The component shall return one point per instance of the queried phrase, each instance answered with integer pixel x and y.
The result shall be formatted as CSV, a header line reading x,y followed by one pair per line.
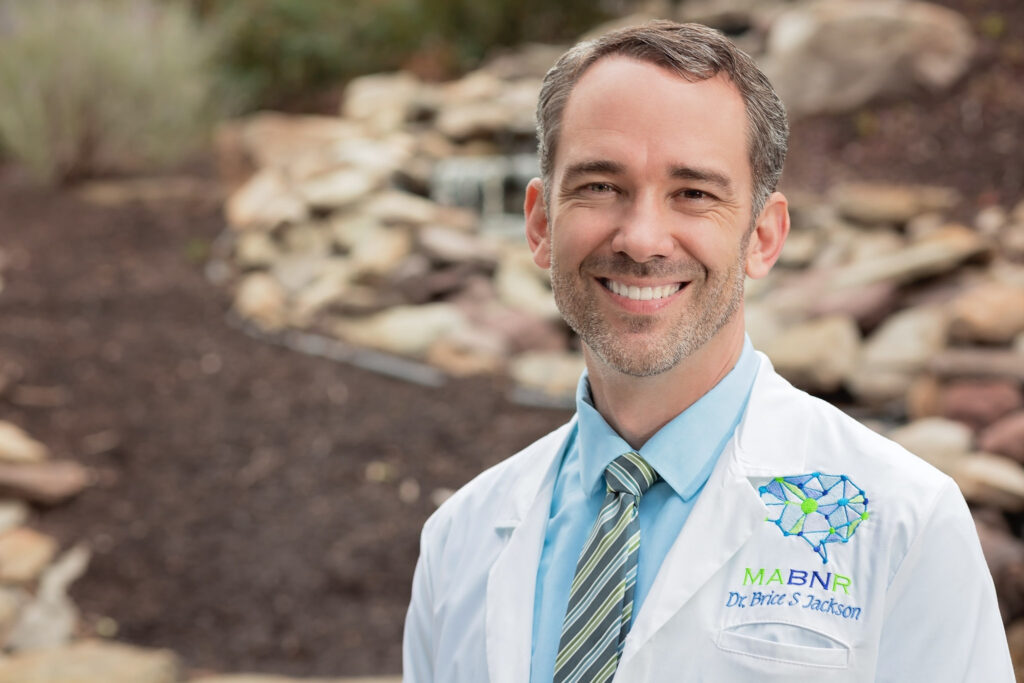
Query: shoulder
x,y
903,493
503,490
805,429
895,528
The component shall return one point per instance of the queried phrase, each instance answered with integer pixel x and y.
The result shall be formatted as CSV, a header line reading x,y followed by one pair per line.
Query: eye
x,y
697,195
599,188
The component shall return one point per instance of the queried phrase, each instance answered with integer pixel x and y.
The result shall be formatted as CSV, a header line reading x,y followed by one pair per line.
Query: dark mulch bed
x,y
234,521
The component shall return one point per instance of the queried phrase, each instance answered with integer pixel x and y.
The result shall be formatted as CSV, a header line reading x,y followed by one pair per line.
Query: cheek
x,y
713,247
573,240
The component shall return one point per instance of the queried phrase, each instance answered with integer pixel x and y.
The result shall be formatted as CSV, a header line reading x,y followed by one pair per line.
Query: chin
x,y
634,360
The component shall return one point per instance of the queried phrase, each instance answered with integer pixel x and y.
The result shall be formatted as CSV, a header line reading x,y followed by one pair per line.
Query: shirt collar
x,y
685,450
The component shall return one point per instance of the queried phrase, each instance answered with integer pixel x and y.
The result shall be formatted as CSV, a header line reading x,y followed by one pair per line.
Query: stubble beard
x,y
716,299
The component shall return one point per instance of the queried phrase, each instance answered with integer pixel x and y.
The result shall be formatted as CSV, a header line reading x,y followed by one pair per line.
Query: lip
x,y
635,306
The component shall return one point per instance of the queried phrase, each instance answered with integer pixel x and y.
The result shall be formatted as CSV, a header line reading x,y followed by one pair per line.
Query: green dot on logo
x,y
809,505
864,515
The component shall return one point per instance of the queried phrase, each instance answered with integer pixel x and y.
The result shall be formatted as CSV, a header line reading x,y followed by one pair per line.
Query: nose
x,y
644,231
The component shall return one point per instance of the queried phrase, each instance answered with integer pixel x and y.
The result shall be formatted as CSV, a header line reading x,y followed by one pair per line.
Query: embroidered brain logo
x,y
819,508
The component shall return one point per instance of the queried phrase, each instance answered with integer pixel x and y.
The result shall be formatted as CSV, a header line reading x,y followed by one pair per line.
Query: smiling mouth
x,y
641,293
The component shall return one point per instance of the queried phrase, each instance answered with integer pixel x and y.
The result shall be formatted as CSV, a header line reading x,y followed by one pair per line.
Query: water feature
x,y
494,186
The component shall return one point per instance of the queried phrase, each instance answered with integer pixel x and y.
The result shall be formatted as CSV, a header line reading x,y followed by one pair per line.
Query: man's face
x,y
650,213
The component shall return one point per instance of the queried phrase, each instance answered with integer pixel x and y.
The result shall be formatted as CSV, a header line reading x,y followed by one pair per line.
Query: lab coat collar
x,y
728,510
722,520
704,427
541,462
511,582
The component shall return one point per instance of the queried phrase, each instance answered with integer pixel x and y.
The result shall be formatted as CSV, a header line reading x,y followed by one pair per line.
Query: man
x,y
699,519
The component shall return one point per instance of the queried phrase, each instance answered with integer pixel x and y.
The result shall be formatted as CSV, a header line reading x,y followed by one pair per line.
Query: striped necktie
x,y
601,598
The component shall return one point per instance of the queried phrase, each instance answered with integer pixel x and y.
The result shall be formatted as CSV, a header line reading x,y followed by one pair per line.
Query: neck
x,y
637,407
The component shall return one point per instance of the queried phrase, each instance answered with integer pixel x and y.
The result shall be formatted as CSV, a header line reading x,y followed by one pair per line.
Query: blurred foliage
x,y
94,86
278,50
866,124
281,49
197,251
993,25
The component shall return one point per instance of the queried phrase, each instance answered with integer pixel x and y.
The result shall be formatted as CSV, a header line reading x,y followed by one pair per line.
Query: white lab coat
x,y
919,605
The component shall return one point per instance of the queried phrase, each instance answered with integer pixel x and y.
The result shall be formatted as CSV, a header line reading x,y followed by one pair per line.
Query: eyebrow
x,y
702,174
584,168
606,167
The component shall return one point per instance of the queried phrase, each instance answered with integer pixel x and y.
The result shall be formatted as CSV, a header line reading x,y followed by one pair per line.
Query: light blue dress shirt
x,y
683,452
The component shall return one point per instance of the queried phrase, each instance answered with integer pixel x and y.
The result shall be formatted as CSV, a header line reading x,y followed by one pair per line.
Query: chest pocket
x,y
784,644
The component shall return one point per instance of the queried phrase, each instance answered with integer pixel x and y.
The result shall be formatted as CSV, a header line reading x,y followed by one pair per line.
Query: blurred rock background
x,y
265,301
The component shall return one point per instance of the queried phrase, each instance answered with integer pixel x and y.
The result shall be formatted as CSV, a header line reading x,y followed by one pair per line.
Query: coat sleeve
x,y
942,621
417,643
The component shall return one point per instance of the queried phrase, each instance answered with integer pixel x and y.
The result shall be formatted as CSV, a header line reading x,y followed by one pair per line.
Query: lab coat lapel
x,y
511,582
728,509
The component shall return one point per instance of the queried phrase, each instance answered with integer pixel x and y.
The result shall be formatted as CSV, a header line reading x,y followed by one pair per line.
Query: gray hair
x,y
696,53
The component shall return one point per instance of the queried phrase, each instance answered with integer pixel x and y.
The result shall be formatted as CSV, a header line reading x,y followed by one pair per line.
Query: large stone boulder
x,y
872,203
897,351
275,140
404,330
944,443
989,313
261,299
529,60
818,355
979,403
386,102
1004,554
265,201
24,554
483,105
17,446
995,480
837,55
553,374
937,253
1005,437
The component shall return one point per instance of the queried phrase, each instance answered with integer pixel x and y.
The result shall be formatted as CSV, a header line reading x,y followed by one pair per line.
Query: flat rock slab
x,y
17,446
48,482
24,554
90,662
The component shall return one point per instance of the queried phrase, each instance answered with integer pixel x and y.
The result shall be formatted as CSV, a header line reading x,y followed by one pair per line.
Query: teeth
x,y
642,293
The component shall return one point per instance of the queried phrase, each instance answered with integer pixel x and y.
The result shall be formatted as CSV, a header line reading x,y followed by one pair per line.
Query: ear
x,y
538,236
768,236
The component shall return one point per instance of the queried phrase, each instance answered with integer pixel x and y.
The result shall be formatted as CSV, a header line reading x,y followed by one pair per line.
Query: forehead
x,y
642,115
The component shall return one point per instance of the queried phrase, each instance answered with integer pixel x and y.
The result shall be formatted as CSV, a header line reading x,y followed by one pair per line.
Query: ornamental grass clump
x,y
97,86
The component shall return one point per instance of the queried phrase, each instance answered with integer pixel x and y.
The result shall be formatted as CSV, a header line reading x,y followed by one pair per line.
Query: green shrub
x,y
280,50
94,86
473,28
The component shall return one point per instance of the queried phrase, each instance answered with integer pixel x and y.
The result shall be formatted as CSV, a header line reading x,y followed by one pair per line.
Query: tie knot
x,y
629,473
